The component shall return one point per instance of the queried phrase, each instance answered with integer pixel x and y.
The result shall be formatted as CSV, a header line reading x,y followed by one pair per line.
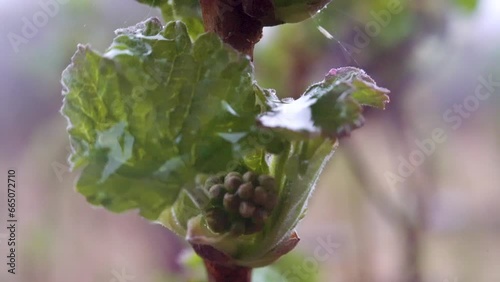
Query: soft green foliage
x,y
292,11
469,5
152,112
186,10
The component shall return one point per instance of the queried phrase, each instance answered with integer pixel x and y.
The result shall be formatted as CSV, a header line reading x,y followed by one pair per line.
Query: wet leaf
x,y
187,11
154,111
331,108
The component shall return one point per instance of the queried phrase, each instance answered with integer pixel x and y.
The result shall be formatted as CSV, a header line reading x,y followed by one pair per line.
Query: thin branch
x,y
362,173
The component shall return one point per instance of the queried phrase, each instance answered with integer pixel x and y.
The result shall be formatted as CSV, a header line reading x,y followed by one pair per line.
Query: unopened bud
x,y
260,196
246,191
216,192
267,182
231,202
246,209
232,182
250,177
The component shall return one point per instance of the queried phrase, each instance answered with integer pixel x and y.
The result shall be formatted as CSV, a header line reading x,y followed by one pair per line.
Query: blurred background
x,y
412,196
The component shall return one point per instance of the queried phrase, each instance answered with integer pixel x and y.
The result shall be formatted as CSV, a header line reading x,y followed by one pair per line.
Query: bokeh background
x,y
386,208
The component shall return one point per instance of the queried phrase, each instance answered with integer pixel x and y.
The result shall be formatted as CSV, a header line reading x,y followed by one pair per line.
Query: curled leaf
x,y
331,108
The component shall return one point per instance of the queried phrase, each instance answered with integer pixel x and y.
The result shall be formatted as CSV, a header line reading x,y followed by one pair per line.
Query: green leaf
x,y
290,11
188,11
298,169
154,111
330,108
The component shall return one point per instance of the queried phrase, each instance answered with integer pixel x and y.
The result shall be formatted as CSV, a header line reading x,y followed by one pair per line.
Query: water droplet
x,y
232,137
325,32
228,108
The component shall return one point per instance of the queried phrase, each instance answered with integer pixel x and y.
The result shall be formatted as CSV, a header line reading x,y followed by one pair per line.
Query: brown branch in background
x,y
381,202
408,226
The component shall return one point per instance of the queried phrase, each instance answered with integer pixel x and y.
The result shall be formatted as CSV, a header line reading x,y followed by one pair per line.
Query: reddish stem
x,y
227,273
228,19
222,268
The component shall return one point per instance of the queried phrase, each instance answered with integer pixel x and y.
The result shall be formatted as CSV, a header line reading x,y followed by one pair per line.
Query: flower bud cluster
x,y
240,204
